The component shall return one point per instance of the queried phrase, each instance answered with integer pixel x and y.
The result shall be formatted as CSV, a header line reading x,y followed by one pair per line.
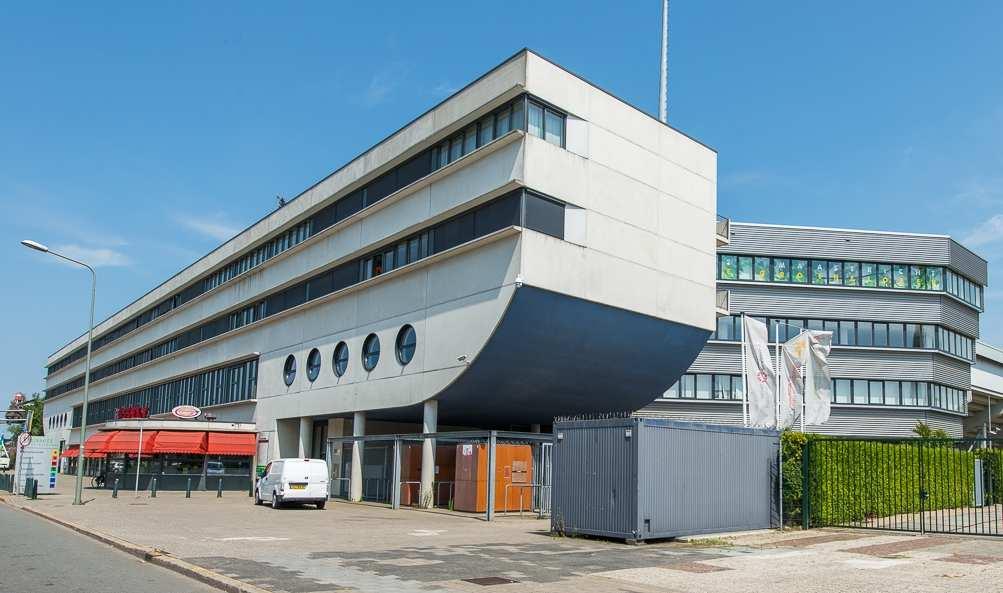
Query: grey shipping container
x,y
645,478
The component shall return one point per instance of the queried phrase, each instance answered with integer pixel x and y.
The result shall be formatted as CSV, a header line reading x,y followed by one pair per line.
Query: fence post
x,y
114,489
188,488
219,488
922,490
805,492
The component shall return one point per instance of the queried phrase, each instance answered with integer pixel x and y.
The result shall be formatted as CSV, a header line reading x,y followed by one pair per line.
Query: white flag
x,y
818,382
760,379
791,387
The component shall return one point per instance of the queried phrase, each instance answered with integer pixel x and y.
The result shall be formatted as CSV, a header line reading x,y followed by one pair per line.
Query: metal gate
x,y
921,485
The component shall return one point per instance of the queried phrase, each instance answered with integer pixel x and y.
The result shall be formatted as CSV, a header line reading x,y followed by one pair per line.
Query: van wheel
x,y
276,501
257,497
321,504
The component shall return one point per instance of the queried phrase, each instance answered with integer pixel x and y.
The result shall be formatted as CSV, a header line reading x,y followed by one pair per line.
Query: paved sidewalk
x,y
350,547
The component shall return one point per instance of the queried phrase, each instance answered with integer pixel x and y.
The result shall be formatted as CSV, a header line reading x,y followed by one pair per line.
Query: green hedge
x,y
851,481
992,466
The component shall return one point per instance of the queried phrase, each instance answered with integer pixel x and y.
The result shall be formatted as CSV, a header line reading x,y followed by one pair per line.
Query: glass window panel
x,y
847,333
745,268
502,121
930,336
672,392
816,324
865,333
554,127
737,387
535,120
842,391
518,115
833,326
781,270
703,386
900,276
922,398
859,391
913,337
762,269
722,386
896,335
455,148
908,393
884,276
688,386
725,328
880,334
892,393
851,274
470,140
877,395
487,130
869,275
836,273
799,271
729,267
819,272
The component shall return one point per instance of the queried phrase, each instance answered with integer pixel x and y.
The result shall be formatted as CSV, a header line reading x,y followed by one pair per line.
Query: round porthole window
x,y
406,343
370,352
340,359
289,370
313,365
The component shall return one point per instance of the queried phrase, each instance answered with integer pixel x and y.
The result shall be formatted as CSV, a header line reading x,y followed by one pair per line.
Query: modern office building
x,y
985,408
904,312
530,247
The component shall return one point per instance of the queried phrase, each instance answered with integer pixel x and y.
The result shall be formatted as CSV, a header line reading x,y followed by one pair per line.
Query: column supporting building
x,y
429,423
358,430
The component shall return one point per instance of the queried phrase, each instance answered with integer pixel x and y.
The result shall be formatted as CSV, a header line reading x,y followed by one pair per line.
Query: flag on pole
x,y
791,387
760,379
818,381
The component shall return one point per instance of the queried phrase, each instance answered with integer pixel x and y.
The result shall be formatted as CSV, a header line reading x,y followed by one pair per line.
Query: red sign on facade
x,y
127,412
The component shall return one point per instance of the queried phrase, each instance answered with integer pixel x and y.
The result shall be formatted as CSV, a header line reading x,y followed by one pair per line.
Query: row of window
x,y
234,383
857,333
405,347
844,391
516,208
543,121
847,273
58,421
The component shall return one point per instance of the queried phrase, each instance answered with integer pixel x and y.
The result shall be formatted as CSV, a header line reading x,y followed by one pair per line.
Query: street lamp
x,y
78,491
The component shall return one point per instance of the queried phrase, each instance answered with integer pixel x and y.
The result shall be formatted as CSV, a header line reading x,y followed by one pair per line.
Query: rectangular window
x,y
868,275
535,120
843,391
833,326
444,153
781,270
703,386
487,130
725,328
901,276
503,121
892,393
881,334
884,276
847,333
917,278
455,148
851,274
908,393
745,268
877,395
722,386
930,337
518,115
896,335
816,324
913,336
762,269
865,333
554,128
922,397
729,267
470,140
543,215
859,391
836,273
689,386
738,388
819,272
799,271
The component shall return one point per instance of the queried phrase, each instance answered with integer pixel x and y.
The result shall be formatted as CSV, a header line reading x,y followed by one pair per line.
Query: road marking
x,y
253,539
427,532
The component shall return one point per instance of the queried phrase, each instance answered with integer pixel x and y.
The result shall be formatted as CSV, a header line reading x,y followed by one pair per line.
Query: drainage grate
x,y
487,581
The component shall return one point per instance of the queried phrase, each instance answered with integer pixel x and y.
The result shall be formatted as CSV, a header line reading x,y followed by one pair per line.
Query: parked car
x,y
214,468
293,480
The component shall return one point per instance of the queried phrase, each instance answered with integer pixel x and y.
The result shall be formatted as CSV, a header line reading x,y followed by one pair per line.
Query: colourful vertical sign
x,y
53,468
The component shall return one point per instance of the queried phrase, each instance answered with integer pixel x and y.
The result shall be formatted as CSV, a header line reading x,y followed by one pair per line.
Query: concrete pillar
x,y
358,430
306,436
429,423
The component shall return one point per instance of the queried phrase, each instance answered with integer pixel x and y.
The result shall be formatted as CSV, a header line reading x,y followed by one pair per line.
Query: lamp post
x,y
78,491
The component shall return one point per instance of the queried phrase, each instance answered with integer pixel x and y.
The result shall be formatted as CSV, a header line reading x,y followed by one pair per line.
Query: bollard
x,y
153,488
34,489
188,489
114,489
219,488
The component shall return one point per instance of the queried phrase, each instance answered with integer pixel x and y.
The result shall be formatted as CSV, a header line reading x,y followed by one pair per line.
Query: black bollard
x,y
153,488
114,489
219,488
188,488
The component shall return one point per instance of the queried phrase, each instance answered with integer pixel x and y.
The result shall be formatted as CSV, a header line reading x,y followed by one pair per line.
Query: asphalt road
x,y
41,557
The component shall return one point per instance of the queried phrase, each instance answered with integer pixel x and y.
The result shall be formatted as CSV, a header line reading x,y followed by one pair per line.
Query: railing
x,y
541,487
723,230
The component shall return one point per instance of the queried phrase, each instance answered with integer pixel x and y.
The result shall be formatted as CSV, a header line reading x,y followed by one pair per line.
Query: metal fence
x,y
477,472
921,485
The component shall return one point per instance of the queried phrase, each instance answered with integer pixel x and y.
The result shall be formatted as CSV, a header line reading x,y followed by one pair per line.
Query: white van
x,y
293,480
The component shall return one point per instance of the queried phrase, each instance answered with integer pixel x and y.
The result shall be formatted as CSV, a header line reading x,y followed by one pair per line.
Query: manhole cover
x,y
486,581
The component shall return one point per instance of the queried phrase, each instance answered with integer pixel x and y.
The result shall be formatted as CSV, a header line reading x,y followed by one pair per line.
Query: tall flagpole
x,y
663,87
745,378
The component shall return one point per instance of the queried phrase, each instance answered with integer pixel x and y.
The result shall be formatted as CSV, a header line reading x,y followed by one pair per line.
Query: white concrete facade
x,y
639,236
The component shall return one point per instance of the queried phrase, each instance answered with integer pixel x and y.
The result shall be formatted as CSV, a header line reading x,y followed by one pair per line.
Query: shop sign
x,y
186,412
128,412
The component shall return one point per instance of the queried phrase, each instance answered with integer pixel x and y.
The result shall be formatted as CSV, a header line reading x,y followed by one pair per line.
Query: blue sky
x,y
140,136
